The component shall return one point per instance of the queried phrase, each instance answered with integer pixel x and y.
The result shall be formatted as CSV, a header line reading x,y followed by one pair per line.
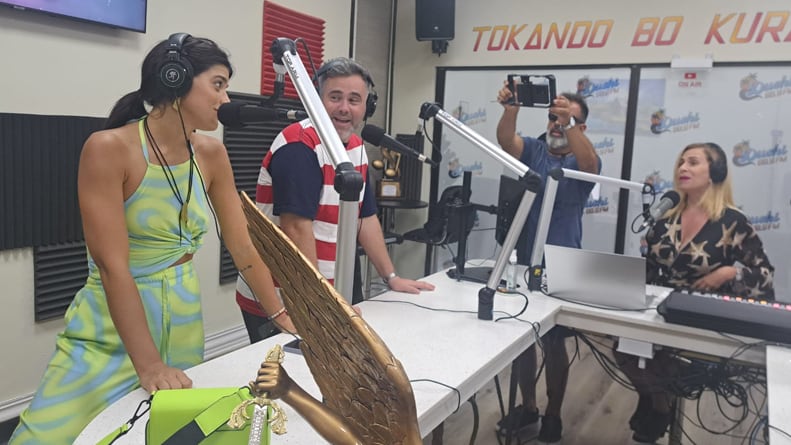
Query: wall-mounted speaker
x,y
435,19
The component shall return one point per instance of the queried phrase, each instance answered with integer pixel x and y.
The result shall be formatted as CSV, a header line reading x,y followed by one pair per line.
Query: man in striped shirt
x,y
295,187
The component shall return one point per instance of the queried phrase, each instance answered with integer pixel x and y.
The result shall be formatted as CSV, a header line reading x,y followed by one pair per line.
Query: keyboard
x,y
767,320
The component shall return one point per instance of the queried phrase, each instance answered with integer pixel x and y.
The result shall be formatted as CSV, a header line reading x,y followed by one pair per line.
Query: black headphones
x,y
370,101
718,168
176,72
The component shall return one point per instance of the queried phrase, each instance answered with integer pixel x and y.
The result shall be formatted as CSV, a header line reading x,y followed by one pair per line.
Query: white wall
x,y
415,65
56,66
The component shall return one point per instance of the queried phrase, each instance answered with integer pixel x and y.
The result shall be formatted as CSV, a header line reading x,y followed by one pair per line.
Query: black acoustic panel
x,y
59,271
39,157
435,19
411,168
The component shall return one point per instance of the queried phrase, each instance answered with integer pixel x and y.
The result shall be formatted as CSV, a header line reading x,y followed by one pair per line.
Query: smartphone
x,y
533,90
293,347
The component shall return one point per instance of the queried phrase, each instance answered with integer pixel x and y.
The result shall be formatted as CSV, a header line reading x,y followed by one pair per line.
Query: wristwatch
x,y
572,123
389,277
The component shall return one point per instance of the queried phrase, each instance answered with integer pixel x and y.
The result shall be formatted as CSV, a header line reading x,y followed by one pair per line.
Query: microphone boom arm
x,y
533,183
348,181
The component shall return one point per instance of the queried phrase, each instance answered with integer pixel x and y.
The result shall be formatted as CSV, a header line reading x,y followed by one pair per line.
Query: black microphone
x,y
669,200
238,114
375,135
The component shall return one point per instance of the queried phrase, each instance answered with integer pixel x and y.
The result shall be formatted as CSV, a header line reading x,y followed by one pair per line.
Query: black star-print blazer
x,y
729,240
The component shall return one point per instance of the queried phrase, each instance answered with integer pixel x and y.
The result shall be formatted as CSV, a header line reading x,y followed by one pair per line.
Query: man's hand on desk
x,y
400,284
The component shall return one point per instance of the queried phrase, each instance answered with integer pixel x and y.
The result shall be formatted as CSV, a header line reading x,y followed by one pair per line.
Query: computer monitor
x,y
508,199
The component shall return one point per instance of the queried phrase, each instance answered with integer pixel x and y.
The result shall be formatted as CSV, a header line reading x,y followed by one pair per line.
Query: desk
x,y
454,348
459,350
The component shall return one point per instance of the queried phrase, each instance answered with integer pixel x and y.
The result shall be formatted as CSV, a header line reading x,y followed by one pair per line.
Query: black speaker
x,y
435,19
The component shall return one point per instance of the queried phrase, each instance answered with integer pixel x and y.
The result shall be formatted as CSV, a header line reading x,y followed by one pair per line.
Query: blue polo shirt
x,y
565,227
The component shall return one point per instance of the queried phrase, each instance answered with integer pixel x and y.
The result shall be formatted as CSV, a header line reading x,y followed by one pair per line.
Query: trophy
x,y
390,184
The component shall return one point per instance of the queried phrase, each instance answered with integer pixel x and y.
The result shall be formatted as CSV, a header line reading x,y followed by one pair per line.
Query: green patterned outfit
x,y
90,368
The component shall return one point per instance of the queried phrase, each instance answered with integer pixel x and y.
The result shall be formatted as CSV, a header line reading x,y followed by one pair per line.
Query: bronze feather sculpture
x,y
365,388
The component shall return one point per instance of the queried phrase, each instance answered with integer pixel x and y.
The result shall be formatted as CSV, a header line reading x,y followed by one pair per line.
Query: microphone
x,y
238,114
669,200
377,136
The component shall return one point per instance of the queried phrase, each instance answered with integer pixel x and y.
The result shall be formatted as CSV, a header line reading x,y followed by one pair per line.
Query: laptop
x,y
597,278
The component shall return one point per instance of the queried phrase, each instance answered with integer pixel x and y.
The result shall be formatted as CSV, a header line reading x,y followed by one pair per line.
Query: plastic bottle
x,y
510,273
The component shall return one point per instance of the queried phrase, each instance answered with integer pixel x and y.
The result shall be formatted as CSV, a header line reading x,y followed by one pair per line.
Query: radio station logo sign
x,y
659,183
751,88
604,147
662,123
768,221
744,155
588,88
467,117
456,169
597,205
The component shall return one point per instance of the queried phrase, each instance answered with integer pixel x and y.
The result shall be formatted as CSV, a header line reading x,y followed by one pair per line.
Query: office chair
x,y
443,226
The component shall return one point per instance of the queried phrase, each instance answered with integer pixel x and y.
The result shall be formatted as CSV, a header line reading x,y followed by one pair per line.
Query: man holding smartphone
x,y
564,145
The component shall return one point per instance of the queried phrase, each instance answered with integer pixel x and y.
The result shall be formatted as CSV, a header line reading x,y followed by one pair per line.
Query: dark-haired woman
x,y
704,244
144,187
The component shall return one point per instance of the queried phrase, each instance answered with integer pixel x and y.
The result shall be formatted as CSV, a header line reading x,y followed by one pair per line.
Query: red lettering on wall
x,y
714,29
499,29
674,22
644,34
579,43
738,26
512,37
480,30
534,41
553,32
598,43
773,29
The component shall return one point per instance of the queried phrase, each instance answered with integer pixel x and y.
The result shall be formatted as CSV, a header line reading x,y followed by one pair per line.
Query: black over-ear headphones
x,y
718,168
176,72
370,101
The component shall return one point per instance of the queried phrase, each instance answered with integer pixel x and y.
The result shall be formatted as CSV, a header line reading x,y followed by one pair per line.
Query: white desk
x,y
456,349
778,384
463,352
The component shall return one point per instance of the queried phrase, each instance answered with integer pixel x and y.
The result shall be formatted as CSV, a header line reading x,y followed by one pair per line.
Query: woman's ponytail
x,y
129,107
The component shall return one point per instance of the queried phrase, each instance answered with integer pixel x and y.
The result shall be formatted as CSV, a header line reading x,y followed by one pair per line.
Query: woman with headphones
x,y
147,186
704,244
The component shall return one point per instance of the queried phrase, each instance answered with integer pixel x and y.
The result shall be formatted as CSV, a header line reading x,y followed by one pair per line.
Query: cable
x,y
455,390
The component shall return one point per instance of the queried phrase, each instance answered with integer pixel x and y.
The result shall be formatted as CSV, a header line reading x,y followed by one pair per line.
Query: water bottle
x,y
510,273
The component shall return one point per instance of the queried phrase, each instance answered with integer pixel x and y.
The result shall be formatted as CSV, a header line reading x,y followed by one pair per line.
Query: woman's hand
x,y
162,376
713,281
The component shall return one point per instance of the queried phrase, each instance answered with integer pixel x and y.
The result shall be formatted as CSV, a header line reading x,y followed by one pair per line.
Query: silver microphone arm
x,y
348,181
531,179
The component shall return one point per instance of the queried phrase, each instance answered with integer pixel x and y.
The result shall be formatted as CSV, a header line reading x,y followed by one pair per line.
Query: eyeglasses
x,y
554,117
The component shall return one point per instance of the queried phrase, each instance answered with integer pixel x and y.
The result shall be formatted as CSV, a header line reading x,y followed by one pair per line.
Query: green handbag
x,y
197,416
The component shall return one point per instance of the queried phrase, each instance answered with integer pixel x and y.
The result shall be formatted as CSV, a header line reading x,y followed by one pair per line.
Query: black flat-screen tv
x,y
126,14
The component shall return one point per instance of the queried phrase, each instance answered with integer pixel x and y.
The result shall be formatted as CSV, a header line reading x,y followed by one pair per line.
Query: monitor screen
x,y
508,200
126,14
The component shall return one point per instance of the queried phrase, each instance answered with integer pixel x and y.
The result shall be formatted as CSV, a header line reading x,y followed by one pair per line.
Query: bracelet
x,y
389,277
279,312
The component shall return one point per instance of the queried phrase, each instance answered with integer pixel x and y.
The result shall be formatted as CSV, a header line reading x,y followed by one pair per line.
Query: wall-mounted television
x,y
126,14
